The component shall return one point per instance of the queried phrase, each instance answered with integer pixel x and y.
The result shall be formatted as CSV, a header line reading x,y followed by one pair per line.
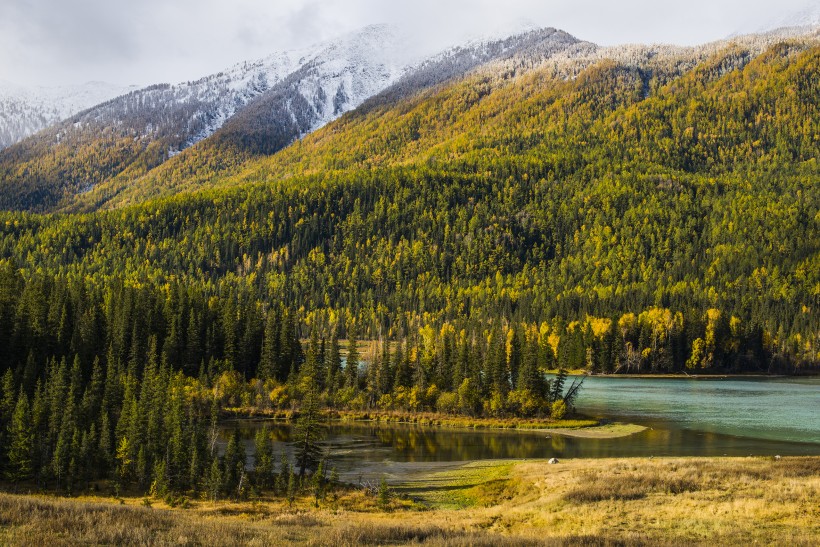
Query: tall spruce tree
x,y
308,433
20,441
352,361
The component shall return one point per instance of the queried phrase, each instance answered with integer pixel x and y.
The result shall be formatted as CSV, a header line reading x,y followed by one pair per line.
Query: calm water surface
x,y
777,409
712,417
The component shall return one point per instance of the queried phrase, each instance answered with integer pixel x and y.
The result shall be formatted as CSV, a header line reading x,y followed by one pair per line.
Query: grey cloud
x,y
148,41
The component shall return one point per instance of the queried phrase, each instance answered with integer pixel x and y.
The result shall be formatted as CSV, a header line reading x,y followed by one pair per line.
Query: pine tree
x,y
372,375
106,446
39,420
193,351
307,432
66,449
229,328
20,442
283,475
233,463
270,356
92,398
401,360
7,397
386,373
291,356
384,494
313,366
214,482
319,484
333,364
462,365
142,467
498,362
195,468
514,356
88,455
263,471
124,461
352,361
160,484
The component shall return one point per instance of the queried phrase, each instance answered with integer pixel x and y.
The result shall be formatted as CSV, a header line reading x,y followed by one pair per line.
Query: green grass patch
x,y
480,483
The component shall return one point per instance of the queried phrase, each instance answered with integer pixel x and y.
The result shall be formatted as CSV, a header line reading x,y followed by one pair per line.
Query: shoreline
x,y
685,376
579,427
612,430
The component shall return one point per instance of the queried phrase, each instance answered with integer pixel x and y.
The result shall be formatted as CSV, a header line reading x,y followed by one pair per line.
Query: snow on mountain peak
x,y
26,110
503,31
333,77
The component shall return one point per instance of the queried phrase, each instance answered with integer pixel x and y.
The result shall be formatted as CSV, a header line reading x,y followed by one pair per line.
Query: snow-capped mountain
x,y
251,108
359,75
368,71
330,78
327,82
27,110
294,92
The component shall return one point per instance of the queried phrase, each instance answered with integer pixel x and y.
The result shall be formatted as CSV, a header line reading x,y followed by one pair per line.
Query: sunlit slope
x,y
708,111
259,130
601,195
723,115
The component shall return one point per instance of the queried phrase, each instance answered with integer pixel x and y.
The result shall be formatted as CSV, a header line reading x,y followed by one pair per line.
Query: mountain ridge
x,y
269,104
26,110
135,132
202,138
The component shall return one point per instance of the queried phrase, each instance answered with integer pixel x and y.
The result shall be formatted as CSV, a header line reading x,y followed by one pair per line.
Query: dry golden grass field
x,y
674,501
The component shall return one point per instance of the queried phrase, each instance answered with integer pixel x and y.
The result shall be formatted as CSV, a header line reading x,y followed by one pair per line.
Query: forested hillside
x,y
542,200
473,235
506,106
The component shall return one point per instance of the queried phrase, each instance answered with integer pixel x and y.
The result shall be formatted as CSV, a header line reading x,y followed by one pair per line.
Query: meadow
x,y
660,501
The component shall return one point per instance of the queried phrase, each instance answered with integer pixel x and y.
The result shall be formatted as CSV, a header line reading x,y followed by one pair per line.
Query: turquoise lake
x,y
777,409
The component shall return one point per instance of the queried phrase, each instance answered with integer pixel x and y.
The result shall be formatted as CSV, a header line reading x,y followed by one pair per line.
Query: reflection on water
x,y
685,418
366,450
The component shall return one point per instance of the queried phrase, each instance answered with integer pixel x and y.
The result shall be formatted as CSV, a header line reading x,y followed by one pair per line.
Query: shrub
x,y
496,405
558,410
385,402
469,399
447,402
384,495
524,402
279,397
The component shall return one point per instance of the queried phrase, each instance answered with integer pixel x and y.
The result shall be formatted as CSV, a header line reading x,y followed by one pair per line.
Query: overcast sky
x,y
52,42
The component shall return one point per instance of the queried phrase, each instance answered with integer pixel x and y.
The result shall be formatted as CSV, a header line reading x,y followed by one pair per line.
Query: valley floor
x,y
670,501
